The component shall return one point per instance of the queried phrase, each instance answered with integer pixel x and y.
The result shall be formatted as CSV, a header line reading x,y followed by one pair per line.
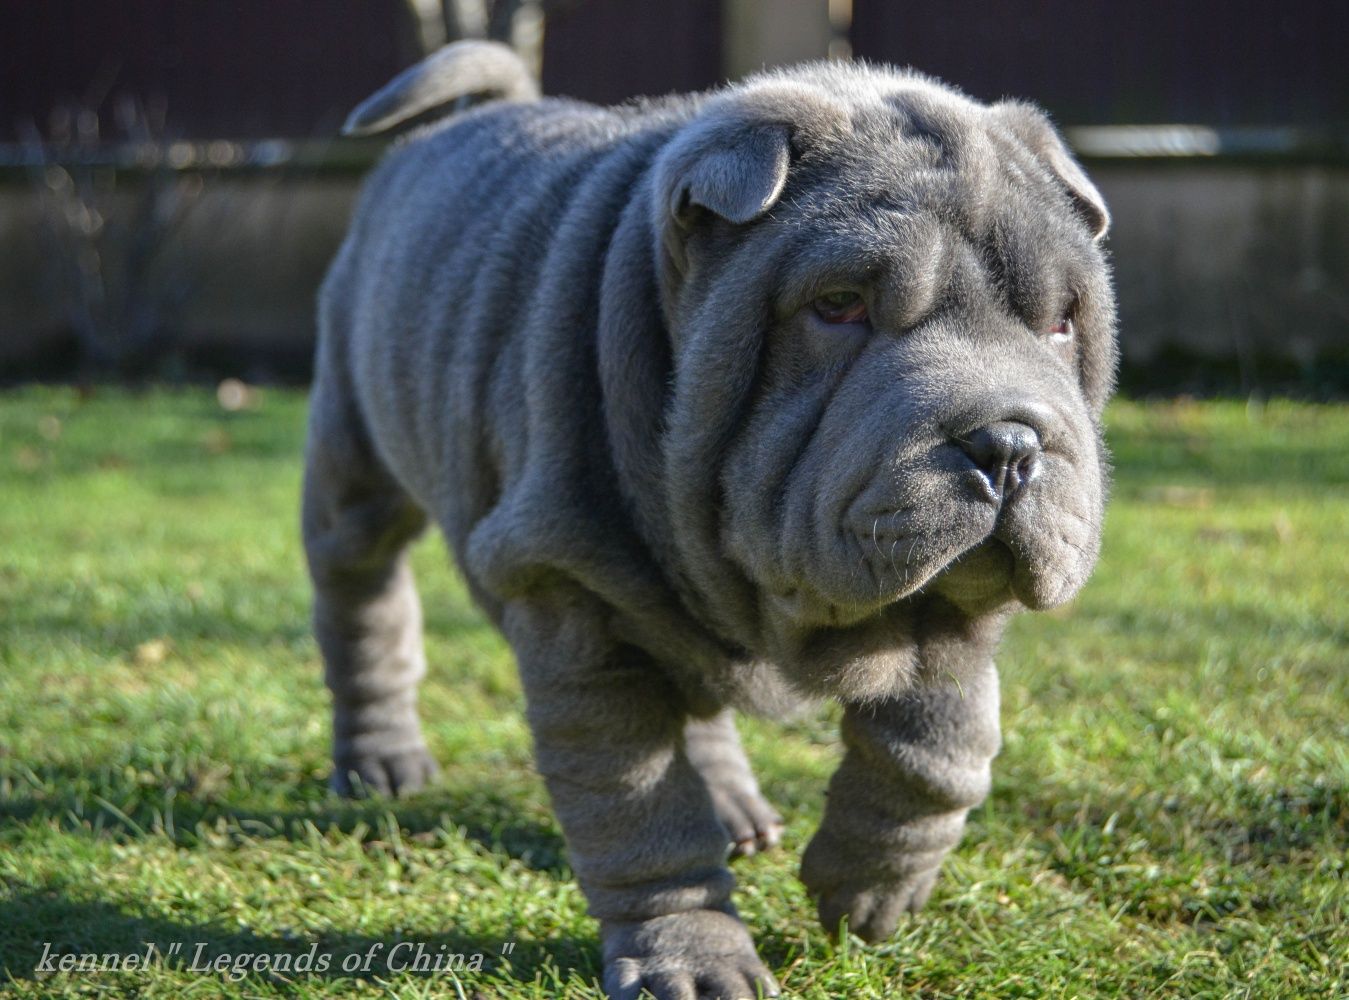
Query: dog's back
x,y
458,234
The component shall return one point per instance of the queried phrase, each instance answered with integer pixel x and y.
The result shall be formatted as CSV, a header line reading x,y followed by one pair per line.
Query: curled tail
x,y
455,71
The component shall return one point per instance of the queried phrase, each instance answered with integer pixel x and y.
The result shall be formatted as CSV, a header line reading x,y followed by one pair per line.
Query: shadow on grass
x,y
52,610
110,804
70,926
1098,840
1239,825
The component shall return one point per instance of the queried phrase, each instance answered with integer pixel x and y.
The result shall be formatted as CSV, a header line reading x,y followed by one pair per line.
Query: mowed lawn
x,y
1169,812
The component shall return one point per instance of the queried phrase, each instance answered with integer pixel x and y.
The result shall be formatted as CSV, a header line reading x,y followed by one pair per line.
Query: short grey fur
x,y
585,343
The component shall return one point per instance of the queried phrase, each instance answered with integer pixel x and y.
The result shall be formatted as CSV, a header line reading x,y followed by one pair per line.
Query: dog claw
x,y
392,774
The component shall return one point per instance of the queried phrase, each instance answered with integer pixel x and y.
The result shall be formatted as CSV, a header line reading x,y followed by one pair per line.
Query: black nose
x,y
1007,453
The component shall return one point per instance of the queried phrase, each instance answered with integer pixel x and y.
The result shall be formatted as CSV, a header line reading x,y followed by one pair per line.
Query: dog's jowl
x,y
782,392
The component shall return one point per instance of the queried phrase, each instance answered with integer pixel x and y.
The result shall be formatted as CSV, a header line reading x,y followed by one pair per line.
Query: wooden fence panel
x,y
1220,62
225,69
609,50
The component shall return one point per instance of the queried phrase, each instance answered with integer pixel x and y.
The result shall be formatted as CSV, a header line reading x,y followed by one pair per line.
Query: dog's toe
x,y
752,823
400,773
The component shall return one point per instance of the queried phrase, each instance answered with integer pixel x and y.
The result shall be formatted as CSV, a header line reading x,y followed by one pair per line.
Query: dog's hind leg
x,y
713,748
357,526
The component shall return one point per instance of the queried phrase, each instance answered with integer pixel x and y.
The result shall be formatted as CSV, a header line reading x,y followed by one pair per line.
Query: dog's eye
x,y
1062,331
841,308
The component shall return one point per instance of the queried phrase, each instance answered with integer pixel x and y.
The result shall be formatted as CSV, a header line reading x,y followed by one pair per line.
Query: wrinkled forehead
x,y
917,186
918,148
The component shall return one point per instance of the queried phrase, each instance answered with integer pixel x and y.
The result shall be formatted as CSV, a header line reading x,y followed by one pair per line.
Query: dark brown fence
x,y
217,69
610,50
1237,62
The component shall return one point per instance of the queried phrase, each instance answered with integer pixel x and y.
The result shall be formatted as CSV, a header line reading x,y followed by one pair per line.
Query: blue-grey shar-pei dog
x,y
786,391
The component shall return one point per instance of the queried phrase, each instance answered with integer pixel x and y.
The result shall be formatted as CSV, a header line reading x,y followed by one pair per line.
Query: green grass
x,y
1169,815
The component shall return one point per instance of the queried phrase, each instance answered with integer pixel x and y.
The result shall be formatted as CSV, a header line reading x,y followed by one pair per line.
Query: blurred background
x,y
171,187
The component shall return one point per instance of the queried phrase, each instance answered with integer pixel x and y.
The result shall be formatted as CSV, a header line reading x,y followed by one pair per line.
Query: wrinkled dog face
x,y
931,328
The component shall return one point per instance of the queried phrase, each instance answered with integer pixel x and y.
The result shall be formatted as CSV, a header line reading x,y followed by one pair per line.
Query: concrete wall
x,y
1242,267
233,284
1239,271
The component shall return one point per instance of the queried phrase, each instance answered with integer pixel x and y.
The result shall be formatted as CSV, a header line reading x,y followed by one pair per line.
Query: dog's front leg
x,y
642,833
913,768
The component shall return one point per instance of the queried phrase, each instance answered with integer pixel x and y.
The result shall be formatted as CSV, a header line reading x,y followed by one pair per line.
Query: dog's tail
x,y
457,70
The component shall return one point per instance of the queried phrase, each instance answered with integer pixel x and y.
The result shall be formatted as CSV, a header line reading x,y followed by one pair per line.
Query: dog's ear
x,y
1029,124
724,166
732,161
735,173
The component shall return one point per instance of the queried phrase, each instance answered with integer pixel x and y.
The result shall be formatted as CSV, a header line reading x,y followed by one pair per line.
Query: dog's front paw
x,y
870,894
702,954
394,772
873,880
873,911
